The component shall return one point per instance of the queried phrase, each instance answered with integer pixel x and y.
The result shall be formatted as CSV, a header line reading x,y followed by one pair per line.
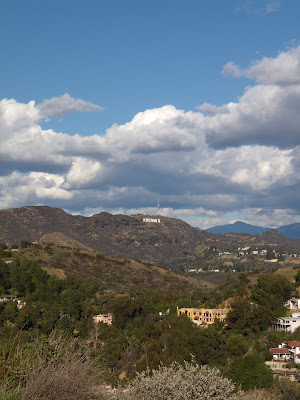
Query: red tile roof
x,y
280,351
293,344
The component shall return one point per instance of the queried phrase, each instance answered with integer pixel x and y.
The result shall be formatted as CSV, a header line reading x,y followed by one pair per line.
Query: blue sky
x,y
163,59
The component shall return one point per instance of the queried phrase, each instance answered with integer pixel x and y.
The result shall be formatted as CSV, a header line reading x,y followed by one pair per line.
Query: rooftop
x,y
279,351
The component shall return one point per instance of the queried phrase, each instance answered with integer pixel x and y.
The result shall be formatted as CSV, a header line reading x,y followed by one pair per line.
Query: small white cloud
x,y
231,69
272,7
57,106
259,8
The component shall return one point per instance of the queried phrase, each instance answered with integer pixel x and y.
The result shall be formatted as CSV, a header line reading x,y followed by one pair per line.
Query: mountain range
x,y
170,243
292,230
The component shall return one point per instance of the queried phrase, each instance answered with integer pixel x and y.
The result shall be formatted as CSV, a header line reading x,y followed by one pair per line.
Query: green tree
x,y
297,278
123,310
236,345
288,390
10,312
239,314
251,372
271,291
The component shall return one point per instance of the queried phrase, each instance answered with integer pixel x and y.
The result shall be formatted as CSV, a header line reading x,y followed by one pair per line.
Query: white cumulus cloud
x,y
281,70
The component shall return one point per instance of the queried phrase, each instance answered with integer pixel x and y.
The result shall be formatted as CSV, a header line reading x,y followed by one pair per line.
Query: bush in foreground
x,y
177,382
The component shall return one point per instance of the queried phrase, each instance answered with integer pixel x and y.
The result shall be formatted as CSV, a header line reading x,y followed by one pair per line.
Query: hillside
x,y
276,239
292,230
170,243
110,273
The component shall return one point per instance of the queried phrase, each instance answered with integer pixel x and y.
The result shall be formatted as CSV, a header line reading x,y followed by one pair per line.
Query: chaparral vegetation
x,y
53,344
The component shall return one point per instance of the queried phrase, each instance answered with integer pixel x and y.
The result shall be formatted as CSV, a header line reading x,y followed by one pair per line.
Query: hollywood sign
x,y
155,220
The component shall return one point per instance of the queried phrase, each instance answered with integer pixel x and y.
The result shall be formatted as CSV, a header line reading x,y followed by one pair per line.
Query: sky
x,y
108,105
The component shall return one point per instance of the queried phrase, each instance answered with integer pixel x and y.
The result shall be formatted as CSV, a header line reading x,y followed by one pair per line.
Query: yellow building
x,y
204,316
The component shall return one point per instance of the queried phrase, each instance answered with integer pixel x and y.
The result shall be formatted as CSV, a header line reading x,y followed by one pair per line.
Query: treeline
x,y
50,302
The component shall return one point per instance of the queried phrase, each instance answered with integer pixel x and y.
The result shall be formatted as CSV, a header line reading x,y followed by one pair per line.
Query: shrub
x,y
288,390
54,368
66,374
177,382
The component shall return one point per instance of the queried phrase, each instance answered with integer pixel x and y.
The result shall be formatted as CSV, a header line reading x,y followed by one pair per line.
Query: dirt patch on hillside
x,y
59,273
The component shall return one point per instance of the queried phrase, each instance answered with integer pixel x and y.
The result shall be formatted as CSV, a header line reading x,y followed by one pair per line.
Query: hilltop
x,y
237,227
170,243
291,230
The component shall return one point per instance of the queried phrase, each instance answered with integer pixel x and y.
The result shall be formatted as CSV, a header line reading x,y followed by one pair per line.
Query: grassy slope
x,y
111,273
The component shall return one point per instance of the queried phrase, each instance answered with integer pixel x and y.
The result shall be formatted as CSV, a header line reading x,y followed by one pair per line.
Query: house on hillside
x,y
292,304
104,318
21,304
287,351
6,297
287,324
9,297
161,314
282,354
203,316
294,348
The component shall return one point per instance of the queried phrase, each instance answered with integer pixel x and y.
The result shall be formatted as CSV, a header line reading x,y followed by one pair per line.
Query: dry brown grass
x,y
56,369
59,273
69,373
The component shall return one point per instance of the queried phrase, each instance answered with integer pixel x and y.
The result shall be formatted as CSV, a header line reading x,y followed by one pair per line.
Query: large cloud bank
x,y
241,158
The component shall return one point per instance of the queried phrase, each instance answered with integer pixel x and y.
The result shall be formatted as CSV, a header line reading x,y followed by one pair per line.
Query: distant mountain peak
x,y
292,230
237,227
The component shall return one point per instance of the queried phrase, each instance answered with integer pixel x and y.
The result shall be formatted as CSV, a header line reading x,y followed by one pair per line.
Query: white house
x,y
294,348
6,297
281,354
287,351
287,324
104,318
292,304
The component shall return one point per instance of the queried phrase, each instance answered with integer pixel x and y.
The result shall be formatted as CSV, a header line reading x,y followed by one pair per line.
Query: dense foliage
x,y
140,339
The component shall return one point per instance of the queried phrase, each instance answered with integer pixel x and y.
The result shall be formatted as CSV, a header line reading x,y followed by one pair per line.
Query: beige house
x,y
204,316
